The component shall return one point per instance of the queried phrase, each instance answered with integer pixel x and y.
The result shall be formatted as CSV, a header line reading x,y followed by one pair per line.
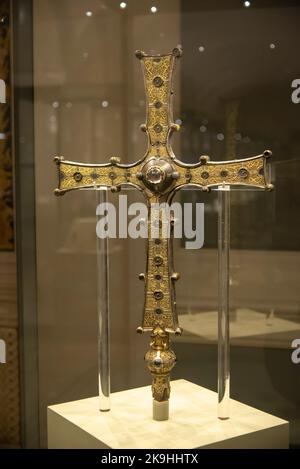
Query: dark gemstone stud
x,y
158,311
224,173
158,260
158,128
158,295
157,277
94,176
157,361
112,175
157,104
77,176
261,171
157,241
243,173
158,82
205,175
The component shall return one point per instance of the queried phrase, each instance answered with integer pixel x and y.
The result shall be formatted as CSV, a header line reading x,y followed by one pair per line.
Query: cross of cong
x,y
158,175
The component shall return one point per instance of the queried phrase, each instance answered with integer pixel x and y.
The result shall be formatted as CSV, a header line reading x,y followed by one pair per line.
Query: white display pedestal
x,y
193,423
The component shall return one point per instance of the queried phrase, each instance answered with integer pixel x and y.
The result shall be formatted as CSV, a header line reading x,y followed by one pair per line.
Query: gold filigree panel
x,y
159,309
158,81
244,172
74,176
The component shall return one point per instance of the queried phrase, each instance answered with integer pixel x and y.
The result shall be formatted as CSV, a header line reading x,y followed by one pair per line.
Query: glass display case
x,y
79,93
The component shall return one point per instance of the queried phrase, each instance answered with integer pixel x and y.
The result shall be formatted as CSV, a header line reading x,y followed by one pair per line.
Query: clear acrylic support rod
x,y
223,303
103,315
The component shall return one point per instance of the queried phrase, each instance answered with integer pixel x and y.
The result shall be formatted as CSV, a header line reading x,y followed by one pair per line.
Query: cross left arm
x,y
73,175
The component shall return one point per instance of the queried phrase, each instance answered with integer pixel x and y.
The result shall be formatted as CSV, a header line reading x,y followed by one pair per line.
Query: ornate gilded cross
x,y
158,175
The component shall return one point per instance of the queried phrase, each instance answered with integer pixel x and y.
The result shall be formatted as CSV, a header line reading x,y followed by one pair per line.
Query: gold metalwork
x,y
160,360
159,175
